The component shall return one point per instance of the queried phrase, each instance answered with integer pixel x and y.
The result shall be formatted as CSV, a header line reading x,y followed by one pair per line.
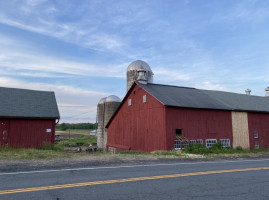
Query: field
x,y
73,133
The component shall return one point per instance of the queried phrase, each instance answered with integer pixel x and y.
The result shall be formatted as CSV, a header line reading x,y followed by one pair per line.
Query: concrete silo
x,y
106,108
134,68
100,121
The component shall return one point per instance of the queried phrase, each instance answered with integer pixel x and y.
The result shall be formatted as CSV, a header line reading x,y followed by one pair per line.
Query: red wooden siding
x,y
29,133
139,127
198,124
258,122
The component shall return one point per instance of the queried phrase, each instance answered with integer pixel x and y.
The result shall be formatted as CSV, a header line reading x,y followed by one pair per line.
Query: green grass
x,y
9,153
84,132
46,151
172,153
218,149
76,142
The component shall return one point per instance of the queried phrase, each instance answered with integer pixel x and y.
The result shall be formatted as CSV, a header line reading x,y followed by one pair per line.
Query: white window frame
x,y
177,144
257,145
256,134
192,141
184,143
199,141
210,142
144,98
225,142
129,102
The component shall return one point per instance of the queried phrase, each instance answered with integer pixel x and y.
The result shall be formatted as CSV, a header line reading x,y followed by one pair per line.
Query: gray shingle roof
x,y
205,99
28,103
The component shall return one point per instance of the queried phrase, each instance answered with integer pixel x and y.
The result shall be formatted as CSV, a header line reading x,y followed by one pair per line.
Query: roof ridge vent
x,y
248,91
141,76
267,92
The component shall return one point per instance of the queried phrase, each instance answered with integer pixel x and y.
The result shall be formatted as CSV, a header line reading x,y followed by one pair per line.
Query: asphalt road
x,y
202,180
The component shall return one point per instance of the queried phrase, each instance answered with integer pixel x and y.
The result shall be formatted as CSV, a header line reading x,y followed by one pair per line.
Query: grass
x,y
83,141
219,149
8,153
46,151
84,132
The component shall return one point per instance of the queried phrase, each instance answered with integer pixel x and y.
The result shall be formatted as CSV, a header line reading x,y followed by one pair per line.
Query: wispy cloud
x,y
210,86
14,56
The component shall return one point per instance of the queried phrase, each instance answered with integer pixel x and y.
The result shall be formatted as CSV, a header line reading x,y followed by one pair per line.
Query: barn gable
x,y
21,103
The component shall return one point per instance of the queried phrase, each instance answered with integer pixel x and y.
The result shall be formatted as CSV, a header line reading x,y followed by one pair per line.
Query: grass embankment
x,y
199,150
46,151
218,149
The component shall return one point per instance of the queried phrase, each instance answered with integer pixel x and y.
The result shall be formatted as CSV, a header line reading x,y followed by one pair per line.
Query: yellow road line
x,y
53,187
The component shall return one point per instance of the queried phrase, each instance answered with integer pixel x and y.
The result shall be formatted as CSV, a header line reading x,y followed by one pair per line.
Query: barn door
x,y
4,132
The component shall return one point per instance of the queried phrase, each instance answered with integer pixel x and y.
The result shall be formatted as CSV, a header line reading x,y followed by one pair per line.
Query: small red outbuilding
x,y
27,117
164,117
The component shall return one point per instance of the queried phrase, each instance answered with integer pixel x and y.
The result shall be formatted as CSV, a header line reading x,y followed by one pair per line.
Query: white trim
x,y
209,146
129,102
224,141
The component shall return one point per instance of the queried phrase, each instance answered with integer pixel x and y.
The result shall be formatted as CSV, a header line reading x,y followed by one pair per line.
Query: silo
x,y
112,103
100,121
105,109
132,72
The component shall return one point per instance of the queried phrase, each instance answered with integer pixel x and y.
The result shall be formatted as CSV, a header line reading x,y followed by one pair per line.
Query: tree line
x,y
65,126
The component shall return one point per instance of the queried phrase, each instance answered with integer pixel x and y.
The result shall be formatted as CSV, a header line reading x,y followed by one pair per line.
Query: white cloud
x,y
210,86
170,75
15,56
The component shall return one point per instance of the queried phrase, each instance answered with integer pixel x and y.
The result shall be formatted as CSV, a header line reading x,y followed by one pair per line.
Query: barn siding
x,y
198,124
240,129
258,122
30,133
139,127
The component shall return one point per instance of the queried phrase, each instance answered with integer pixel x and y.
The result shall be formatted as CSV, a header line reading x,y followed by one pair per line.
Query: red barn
x,y
163,117
27,117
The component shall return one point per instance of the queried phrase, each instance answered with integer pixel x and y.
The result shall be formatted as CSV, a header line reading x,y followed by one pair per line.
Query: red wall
x,y
258,122
198,124
29,133
139,127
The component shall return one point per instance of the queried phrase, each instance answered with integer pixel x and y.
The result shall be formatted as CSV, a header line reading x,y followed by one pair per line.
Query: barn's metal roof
x,y
205,99
23,103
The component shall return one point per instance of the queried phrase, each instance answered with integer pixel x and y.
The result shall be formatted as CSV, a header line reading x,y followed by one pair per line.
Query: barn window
x,y
144,98
199,141
178,132
256,134
184,143
210,142
176,144
256,145
225,142
192,141
129,102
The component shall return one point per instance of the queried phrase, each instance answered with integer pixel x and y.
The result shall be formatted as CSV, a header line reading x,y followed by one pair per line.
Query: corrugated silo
x,y
106,108
111,105
100,121
132,72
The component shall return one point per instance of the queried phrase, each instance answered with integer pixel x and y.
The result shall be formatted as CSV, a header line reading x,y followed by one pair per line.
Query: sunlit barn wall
x,y
140,126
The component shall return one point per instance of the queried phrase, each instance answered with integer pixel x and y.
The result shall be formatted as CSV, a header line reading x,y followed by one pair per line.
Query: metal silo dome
x,y
102,100
139,64
113,98
132,72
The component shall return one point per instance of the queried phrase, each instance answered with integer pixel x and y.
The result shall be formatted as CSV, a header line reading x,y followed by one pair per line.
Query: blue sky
x,y
81,49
